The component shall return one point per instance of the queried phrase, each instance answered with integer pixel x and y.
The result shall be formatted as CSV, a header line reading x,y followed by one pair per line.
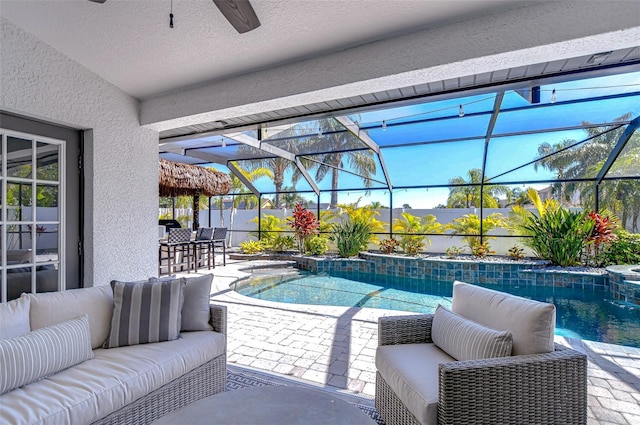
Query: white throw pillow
x,y
464,339
14,318
43,352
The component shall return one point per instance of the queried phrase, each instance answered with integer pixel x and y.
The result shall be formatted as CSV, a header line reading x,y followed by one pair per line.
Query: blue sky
x,y
436,163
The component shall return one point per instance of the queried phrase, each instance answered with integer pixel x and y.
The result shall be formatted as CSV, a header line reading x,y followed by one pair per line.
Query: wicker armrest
x,y
219,318
413,329
532,389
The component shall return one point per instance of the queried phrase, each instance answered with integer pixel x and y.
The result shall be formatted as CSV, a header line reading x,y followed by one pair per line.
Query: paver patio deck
x,y
335,347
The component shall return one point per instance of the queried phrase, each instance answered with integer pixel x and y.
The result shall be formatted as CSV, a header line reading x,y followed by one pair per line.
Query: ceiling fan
x,y
239,13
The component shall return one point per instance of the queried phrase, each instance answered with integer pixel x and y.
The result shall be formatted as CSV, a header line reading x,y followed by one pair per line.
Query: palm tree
x,y
337,143
289,200
585,161
376,205
466,192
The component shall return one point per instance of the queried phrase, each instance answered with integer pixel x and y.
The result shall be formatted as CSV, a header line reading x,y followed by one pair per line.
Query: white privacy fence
x,y
240,225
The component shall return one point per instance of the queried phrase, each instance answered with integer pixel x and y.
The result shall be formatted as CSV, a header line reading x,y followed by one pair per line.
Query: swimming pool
x,y
585,314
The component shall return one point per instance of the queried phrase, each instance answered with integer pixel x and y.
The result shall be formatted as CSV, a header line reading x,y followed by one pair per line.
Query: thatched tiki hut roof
x,y
177,179
183,179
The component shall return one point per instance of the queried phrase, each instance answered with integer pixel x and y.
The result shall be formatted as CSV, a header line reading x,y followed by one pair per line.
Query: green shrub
x,y
351,237
516,253
318,245
559,235
411,231
271,227
453,251
481,250
469,226
280,243
251,247
624,250
388,246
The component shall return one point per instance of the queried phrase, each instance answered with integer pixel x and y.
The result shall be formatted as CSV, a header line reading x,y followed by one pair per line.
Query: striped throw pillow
x,y
145,312
464,339
43,352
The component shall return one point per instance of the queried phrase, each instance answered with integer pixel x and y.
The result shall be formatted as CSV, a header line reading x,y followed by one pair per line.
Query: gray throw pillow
x,y
464,339
145,312
195,310
43,352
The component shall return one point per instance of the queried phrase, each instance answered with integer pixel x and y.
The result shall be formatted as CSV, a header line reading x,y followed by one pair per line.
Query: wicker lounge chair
x,y
544,388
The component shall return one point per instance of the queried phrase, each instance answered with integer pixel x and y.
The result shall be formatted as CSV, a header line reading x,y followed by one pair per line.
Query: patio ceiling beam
x,y
622,142
354,129
274,150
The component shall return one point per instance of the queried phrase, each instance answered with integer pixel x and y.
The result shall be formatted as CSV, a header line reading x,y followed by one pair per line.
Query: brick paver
x,y
335,347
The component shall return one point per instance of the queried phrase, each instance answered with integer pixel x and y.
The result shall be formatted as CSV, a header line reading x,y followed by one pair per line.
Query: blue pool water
x,y
585,314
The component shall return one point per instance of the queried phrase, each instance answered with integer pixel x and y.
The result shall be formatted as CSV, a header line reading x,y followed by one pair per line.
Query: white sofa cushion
x,y
411,370
531,323
465,339
114,378
43,352
54,307
14,318
145,312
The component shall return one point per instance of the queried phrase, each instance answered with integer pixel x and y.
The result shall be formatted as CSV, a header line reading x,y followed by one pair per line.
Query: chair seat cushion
x,y
411,370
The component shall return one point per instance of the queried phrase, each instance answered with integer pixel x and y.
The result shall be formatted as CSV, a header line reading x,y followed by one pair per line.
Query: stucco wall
x,y
121,161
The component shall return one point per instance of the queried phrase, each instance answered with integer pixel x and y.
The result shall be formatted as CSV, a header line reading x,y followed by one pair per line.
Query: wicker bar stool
x,y
179,241
202,246
219,241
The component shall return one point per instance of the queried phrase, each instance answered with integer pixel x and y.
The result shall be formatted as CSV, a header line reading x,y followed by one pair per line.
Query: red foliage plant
x,y
305,224
603,227
601,236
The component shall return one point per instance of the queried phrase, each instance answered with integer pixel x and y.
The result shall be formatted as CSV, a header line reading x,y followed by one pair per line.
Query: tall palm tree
x,y
585,161
337,143
466,193
278,165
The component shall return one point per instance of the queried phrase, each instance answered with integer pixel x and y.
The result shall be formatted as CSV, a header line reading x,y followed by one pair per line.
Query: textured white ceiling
x,y
129,43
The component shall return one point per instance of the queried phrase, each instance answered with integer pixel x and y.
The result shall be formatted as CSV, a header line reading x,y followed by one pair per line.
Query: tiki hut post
x,y
196,212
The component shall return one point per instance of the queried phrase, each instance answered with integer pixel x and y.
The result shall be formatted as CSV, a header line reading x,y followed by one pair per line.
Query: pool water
x,y
585,314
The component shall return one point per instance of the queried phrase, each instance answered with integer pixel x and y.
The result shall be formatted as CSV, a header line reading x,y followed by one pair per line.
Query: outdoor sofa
x,y
444,368
62,373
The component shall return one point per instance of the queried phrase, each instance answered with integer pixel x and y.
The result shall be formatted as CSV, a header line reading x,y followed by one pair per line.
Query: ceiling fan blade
x,y
239,13
98,1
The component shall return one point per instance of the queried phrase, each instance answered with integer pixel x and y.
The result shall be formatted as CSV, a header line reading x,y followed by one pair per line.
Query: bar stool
x,y
202,245
219,241
179,241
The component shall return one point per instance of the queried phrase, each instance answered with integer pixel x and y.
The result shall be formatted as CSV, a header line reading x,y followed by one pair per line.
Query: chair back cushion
x,y
50,308
531,323
464,339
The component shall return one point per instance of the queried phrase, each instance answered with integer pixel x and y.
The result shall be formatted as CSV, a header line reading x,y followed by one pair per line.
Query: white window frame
x,y
60,223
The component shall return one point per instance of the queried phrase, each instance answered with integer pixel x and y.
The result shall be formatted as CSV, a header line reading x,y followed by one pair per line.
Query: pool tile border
x,y
623,282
